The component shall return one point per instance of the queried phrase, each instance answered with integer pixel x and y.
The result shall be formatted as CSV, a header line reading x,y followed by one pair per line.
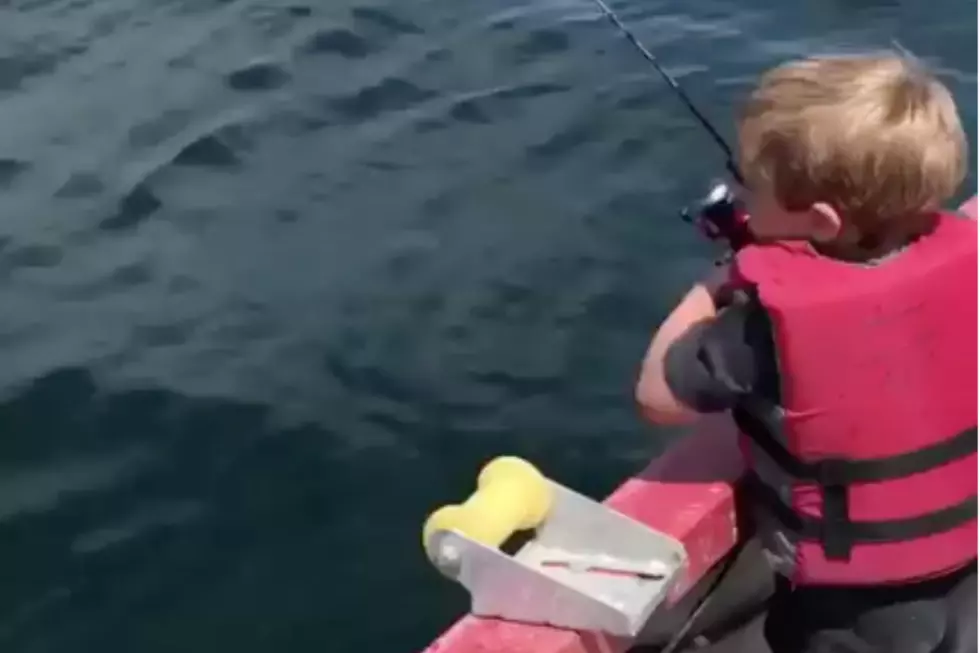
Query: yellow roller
x,y
511,495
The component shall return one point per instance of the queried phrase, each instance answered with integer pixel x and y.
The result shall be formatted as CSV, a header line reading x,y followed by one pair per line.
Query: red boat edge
x,y
688,493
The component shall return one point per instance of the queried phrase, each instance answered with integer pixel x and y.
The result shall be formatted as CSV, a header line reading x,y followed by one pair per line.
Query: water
x,y
278,278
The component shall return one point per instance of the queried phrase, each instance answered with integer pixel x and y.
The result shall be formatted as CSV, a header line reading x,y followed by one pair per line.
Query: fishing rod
x,y
718,214
673,83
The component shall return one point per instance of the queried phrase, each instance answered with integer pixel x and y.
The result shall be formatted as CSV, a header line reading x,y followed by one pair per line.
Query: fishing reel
x,y
719,215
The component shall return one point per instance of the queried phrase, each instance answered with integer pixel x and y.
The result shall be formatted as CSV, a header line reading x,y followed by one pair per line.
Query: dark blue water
x,y
278,277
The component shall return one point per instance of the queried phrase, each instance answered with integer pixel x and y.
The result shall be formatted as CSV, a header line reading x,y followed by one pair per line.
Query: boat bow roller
x,y
585,566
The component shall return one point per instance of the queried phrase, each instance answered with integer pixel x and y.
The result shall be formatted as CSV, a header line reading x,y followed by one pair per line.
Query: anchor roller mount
x,y
587,567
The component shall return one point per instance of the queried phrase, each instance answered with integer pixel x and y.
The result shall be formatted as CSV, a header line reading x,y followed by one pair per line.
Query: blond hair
x,y
875,136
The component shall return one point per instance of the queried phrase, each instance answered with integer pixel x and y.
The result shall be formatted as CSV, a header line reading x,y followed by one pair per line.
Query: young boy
x,y
844,341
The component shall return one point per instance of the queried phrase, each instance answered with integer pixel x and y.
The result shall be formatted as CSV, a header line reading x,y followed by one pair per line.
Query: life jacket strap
x,y
759,426
837,533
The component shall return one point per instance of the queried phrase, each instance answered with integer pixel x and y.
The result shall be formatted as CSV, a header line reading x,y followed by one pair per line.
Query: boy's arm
x,y
701,360
657,401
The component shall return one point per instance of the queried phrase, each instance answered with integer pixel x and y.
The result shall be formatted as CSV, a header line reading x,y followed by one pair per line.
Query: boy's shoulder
x,y
716,363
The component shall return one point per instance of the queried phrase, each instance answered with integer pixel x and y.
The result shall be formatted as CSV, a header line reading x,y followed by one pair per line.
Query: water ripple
x,y
258,255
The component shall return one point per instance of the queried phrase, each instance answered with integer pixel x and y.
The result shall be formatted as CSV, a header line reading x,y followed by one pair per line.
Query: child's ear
x,y
825,222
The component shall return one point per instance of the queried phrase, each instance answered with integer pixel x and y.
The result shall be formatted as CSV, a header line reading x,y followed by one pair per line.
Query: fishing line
x,y
715,135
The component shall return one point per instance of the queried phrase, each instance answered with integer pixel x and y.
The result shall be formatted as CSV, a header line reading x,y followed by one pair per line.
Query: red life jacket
x,y
877,421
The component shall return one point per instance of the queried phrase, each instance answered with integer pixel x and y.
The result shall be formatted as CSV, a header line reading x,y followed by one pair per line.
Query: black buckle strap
x,y
837,529
861,532
759,427
837,533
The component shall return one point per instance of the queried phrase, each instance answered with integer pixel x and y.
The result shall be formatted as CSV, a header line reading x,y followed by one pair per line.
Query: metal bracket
x,y
588,567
